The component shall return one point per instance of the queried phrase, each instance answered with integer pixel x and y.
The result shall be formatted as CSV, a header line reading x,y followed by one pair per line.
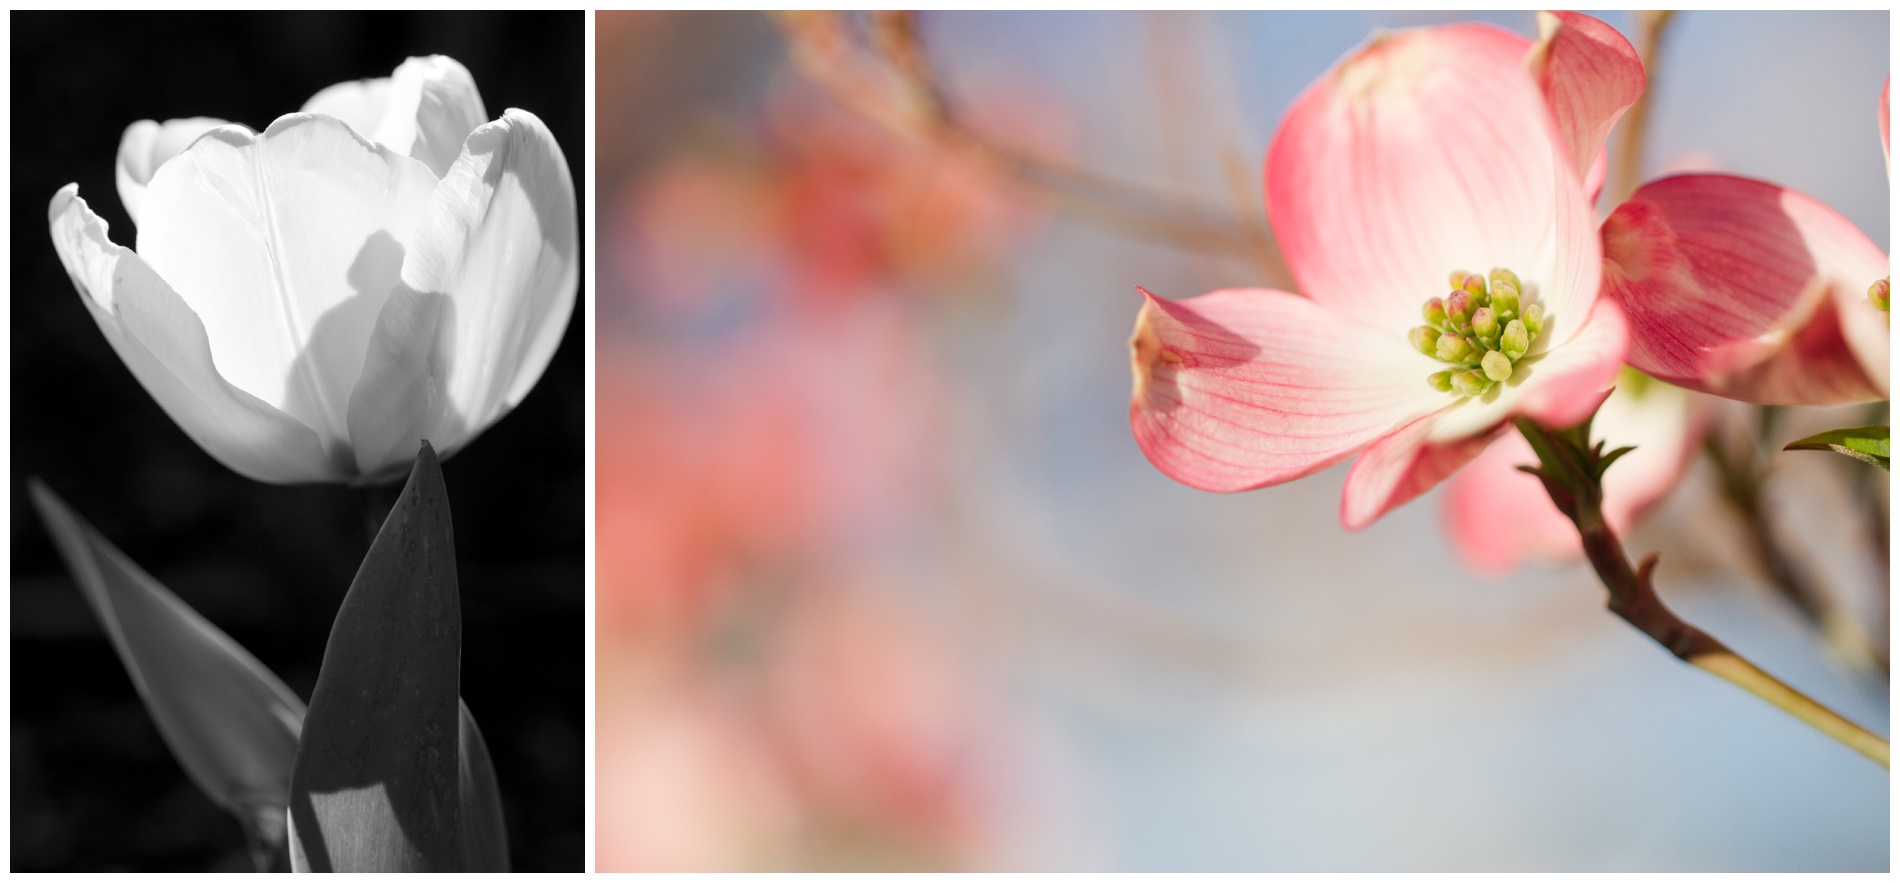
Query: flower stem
x,y
375,501
1572,472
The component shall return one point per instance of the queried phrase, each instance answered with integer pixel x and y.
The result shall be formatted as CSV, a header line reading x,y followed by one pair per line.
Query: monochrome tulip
x,y
311,302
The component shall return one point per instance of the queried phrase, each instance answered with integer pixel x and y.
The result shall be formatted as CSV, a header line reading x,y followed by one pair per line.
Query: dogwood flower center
x,y
1482,329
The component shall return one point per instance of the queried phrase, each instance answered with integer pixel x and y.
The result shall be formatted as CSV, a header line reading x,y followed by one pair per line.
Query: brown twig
x,y
1572,472
1629,150
886,76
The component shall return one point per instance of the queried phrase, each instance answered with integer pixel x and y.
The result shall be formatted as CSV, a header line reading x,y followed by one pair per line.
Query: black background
x,y
94,787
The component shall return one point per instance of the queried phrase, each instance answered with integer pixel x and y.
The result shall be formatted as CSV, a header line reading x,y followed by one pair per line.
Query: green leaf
x,y
1603,464
1867,444
230,722
378,783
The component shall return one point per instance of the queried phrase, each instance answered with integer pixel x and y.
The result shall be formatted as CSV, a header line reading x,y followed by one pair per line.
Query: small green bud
x,y
1500,274
1469,383
1452,348
1435,312
1474,284
1504,297
1515,340
1458,308
1497,366
1534,320
1425,340
1484,323
1440,381
1880,293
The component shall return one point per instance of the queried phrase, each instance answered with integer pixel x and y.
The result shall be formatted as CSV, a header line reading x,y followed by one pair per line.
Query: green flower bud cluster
x,y
1880,293
1482,328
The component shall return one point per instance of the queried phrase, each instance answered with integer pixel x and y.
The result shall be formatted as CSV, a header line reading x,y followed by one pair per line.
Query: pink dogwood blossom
x,y
1420,156
1750,291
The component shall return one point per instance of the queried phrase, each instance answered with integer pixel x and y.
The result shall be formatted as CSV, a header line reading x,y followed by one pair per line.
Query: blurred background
x,y
93,785
884,582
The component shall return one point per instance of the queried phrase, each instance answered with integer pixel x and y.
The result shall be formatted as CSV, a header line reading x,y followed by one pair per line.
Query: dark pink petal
x,y
1421,153
1747,290
1400,467
1249,387
1590,75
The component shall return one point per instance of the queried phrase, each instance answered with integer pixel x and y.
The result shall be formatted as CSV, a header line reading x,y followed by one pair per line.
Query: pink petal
x,y
1243,388
1400,467
1425,152
1747,290
1497,517
1590,75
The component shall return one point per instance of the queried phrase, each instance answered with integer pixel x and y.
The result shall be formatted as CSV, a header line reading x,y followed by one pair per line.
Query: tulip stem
x,y
375,501
1572,472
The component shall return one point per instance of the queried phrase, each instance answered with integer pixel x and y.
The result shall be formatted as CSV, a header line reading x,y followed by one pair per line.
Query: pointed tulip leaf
x,y
1867,444
484,835
376,785
230,722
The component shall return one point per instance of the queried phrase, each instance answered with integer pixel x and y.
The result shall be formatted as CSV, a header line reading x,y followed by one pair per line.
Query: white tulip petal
x,y
164,343
425,110
359,103
401,399
145,146
286,244
501,241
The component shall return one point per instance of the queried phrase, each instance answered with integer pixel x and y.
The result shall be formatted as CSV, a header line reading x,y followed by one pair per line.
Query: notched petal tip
x,y
1243,388
1145,348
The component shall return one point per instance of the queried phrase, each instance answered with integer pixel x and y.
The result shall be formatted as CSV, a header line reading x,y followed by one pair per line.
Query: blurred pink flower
x,y
1749,290
806,435
1422,154
878,719
1498,517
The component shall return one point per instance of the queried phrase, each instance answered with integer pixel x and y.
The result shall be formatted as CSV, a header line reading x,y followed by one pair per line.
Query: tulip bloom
x,y
1750,291
1498,517
1422,155
308,303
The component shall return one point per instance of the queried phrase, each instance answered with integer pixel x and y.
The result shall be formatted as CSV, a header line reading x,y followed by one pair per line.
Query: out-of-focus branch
x,y
883,73
1743,478
1651,24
